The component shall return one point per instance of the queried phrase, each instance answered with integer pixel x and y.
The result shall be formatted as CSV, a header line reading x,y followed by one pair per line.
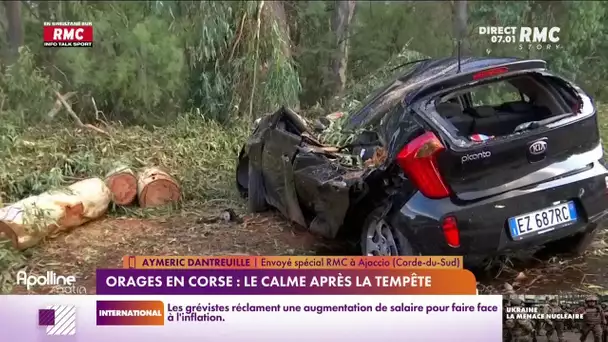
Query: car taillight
x,y
490,73
418,161
450,231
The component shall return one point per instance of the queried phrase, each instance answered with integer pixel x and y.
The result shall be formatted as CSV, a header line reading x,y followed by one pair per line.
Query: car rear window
x,y
502,106
495,94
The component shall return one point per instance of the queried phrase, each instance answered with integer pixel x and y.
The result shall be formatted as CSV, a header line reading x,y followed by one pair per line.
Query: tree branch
x,y
79,122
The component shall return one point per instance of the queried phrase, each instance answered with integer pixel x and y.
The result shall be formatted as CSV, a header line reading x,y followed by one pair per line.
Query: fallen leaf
x,y
521,276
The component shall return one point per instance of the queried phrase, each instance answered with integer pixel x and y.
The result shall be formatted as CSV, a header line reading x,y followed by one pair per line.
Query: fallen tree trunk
x,y
122,182
156,187
30,220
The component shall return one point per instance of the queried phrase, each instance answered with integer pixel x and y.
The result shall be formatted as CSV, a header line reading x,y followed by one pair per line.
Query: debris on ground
x,y
227,216
521,276
334,116
508,288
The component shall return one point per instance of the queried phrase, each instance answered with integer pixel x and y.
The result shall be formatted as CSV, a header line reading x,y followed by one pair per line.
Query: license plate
x,y
538,221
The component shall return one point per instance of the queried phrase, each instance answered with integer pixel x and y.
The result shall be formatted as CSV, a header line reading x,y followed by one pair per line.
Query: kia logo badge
x,y
538,147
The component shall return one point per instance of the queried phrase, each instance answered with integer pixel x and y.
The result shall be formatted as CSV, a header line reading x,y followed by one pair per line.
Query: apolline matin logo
x,y
59,320
60,284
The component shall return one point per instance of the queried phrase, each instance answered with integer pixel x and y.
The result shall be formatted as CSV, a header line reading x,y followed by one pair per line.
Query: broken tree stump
x,y
122,182
30,220
156,187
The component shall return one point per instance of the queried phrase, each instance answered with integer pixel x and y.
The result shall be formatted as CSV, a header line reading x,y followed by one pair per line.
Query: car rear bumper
x,y
483,226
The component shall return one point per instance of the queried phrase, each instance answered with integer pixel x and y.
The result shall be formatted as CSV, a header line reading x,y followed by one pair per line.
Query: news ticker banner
x,y
230,275
250,318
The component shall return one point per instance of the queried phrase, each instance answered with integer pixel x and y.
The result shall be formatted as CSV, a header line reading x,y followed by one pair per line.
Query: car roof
x,y
468,65
429,73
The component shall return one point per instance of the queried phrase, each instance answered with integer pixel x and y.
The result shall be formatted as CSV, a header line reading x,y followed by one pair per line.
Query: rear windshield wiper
x,y
540,123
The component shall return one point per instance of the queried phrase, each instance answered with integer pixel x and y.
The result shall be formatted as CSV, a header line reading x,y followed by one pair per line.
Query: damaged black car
x,y
475,157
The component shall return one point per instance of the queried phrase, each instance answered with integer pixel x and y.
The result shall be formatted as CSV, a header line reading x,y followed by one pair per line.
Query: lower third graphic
x,y
59,320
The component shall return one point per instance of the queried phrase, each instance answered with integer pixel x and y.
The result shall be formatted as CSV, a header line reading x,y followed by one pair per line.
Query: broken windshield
x,y
373,105
376,106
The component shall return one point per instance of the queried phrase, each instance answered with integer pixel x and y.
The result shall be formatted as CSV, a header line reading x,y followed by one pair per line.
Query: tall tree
x,y
279,14
15,32
460,22
342,15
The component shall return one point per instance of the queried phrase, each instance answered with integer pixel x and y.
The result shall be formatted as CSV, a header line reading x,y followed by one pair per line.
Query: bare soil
x,y
102,244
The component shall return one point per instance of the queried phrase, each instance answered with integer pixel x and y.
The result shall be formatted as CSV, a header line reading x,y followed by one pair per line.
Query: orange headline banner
x,y
292,262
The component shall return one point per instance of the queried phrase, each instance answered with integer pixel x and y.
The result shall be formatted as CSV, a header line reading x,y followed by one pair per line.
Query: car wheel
x,y
256,196
379,238
576,244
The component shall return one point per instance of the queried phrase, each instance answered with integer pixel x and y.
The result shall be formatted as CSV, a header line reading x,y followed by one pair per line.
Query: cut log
x,y
156,187
122,182
28,221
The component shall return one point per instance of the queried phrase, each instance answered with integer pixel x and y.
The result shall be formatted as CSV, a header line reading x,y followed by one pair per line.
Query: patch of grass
x,y
200,154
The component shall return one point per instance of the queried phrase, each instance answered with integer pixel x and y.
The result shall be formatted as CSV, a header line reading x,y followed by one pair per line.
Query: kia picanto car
x,y
476,157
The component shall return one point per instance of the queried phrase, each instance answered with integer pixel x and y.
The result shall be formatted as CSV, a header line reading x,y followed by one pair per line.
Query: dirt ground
x,y
102,244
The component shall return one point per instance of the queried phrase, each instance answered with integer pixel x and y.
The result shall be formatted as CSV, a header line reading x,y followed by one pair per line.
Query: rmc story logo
x,y
527,38
58,284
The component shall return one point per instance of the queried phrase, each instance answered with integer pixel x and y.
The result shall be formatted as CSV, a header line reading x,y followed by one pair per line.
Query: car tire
x,y
376,223
576,244
256,192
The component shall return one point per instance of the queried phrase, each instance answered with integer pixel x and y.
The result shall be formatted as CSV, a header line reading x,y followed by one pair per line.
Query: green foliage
x,y
313,50
392,68
153,59
137,71
586,60
383,30
582,53
281,84
208,39
200,152
360,90
26,90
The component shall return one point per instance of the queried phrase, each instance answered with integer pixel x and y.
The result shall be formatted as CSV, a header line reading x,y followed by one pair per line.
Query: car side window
x,y
494,94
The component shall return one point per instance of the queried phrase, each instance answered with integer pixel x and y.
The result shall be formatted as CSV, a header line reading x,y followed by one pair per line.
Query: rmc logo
x,y
77,34
67,34
539,34
531,38
539,38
